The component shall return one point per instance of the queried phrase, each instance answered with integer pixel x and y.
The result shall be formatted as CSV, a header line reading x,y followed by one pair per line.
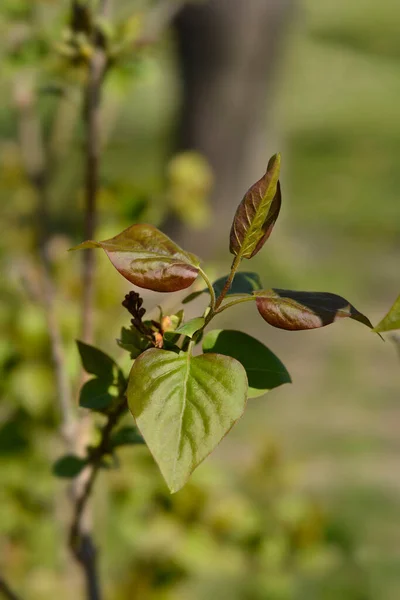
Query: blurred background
x,y
302,500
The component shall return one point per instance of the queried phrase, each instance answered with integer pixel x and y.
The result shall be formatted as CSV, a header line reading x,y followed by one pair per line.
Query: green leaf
x,y
133,341
95,395
126,436
264,370
96,362
244,282
187,329
69,466
193,296
184,406
294,311
390,321
149,259
191,327
257,213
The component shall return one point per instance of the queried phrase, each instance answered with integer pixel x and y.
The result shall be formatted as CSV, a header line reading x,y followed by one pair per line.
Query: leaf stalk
x,y
228,283
234,302
210,288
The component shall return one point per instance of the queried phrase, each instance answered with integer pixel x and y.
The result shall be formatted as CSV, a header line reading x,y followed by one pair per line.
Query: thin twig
x,y
96,72
6,591
80,540
96,458
68,420
97,69
35,164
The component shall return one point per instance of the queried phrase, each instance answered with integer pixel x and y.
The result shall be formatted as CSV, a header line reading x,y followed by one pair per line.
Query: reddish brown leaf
x,y
149,259
256,214
295,311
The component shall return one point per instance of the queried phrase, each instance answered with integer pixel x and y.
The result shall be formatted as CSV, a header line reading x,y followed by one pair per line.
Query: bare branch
x,y
34,159
80,540
96,459
97,69
96,73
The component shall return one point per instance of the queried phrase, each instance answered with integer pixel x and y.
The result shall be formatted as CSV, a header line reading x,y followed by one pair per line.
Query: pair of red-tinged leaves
x,y
149,259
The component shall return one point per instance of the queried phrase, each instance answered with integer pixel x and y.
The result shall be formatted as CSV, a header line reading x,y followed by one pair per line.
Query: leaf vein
x,y
182,413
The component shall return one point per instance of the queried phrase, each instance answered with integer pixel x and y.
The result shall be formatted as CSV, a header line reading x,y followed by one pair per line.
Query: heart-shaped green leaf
x,y
390,321
149,259
257,213
264,370
184,406
294,311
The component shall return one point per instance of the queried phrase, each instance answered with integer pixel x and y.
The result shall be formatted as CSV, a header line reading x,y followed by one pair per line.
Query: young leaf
x,y
149,259
96,362
126,436
257,213
69,466
264,370
187,329
390,321
184,406
294,311
172,322
191,327
95,395
132,341
244,283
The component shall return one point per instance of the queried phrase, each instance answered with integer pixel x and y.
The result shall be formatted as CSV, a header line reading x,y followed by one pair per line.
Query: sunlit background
x,y
302,500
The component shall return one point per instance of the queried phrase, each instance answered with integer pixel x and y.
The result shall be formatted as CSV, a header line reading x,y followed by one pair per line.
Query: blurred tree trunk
x,y
229,51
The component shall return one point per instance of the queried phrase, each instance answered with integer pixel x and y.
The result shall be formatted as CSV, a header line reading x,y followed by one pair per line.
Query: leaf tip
x,y
377,330
85,245
274,161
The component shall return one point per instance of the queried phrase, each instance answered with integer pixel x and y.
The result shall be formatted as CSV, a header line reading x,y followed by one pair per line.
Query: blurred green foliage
x,y
243,528
245,533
